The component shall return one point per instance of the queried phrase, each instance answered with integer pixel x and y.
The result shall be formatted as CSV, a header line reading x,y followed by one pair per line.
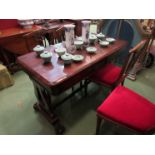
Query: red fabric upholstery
x,y
128,108
108,74
8,23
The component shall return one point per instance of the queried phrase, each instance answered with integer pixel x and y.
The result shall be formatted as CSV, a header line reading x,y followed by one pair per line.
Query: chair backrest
x,y
34,38
56,35
132,57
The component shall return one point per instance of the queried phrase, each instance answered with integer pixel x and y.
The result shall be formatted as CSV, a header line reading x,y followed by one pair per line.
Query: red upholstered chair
x,y
129,109
111,75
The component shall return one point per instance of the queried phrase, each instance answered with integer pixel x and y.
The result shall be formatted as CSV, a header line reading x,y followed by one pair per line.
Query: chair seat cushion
x,y
108,74
129,108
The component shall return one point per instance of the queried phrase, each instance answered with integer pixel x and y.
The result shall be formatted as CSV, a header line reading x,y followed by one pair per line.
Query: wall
x,y
137,36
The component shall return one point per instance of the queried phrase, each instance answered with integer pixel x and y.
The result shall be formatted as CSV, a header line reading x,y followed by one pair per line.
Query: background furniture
x,y
5,78
8,23
12,39
56,35
12,44
78,24
146,59
34,38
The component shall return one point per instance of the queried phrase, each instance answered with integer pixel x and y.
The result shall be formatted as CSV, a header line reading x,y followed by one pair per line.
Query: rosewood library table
x,y
54,78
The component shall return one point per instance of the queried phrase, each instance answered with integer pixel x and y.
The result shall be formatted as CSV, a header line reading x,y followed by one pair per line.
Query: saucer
x,y
110,40
104,43
77,58
91,49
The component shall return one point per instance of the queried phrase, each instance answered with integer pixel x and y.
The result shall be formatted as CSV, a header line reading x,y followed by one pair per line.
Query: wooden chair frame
x,y
134,54
101,118
132,57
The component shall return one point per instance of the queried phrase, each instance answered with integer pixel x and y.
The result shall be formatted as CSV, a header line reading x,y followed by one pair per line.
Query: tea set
x,y
78,43
39,49
46,56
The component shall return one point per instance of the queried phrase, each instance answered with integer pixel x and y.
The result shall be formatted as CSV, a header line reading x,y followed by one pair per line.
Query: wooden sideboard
x,y
12,39
12,42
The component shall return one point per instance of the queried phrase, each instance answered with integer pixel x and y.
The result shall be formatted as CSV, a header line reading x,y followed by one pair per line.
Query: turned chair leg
x,y
98,125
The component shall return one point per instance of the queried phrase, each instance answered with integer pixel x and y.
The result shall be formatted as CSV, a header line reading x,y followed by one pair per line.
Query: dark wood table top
x,y
56,72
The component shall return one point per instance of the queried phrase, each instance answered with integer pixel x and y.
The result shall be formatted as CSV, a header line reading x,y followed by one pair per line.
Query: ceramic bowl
x,y
91,50
104,43
86,21
69,26
58,45
78,44
26,23
67,58
79,38
38,49
60,51
110,40
92,39
100,36
77,58
46,56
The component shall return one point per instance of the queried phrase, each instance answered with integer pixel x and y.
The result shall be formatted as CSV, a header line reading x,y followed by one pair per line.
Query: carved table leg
x,y
45,108
53,119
